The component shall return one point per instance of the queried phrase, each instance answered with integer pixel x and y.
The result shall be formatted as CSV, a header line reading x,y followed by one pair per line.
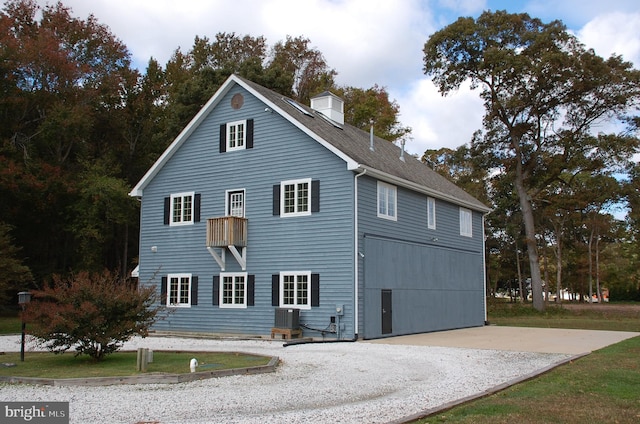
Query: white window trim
x,y
282,199
182,195
466,222
431,213
244,135
179,277
295,291
221,303
244,201
386,215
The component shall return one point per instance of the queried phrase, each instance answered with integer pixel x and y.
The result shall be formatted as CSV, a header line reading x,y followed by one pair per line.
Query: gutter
x,y
421,189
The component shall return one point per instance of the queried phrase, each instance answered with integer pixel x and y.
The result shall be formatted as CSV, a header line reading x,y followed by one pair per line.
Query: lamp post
x,y
23,298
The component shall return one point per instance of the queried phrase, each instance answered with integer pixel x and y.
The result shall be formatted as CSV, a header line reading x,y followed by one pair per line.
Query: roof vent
x,y
330,106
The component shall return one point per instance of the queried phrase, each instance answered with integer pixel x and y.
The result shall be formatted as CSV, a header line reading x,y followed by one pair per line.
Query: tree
x,y
366,106
63,71
103,211
93,313
305,67
14,276
543,92
61,91
460,167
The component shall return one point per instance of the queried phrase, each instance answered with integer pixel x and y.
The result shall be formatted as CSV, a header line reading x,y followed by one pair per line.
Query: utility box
x,y
287,318
340,310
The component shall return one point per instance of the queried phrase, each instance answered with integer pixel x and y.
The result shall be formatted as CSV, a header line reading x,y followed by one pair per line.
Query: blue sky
x,y
366,41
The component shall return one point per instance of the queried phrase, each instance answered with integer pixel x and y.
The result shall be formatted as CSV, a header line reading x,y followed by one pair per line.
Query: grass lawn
x,y
10,325
612,317
49,365
603,387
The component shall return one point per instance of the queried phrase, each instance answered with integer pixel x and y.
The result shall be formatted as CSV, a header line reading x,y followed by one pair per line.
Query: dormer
x,y
330,106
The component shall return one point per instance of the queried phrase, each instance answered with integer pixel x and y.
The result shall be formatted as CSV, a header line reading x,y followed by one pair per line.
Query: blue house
x,y
263,205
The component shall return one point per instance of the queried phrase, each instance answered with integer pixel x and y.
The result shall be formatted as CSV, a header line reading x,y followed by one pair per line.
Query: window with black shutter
x,y
296,198
237,135
295,289
182,208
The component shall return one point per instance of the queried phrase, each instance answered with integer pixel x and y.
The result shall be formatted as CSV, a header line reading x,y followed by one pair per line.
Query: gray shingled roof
x,y
385,157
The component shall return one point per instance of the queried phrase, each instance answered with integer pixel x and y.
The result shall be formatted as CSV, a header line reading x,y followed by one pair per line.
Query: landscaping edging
x,y
151,378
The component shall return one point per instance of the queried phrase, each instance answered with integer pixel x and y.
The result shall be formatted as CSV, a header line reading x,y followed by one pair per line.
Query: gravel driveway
x,y
315,383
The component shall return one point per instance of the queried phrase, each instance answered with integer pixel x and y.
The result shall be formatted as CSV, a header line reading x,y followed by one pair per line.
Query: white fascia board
x,y
182,137
351,164
206,109
421,189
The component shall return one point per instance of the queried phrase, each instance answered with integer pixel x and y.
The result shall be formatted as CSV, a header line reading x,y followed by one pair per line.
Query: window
x,y
237,135
233,290
235,203
295,197
431,213
295,289
387,198
182,208
465,223
179,290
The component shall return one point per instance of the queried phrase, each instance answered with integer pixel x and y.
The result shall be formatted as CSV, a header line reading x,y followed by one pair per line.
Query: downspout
x,y
356,253
484,271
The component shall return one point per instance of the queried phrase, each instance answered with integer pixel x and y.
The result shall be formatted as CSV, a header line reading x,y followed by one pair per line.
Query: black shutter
x,y
315,289
223,138
196,207
249,135
167,209
276,200
315,196
163,291
216,289
251,290
275,290
194,290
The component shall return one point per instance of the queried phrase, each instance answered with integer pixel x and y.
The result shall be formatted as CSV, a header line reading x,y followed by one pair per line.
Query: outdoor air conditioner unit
x,y
287,318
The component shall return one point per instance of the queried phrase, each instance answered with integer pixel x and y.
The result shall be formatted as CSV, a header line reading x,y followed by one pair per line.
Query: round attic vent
x,y
237,101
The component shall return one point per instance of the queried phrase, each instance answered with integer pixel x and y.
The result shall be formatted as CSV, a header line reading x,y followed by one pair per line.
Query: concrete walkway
x,y
521,339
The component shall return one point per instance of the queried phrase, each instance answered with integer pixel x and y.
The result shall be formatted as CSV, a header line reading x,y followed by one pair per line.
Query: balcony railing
x,y
227,231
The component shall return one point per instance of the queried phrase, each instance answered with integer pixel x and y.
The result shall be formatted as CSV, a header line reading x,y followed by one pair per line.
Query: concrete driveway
x,y
520,339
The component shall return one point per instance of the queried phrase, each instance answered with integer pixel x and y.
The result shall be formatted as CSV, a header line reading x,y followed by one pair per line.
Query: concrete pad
x,y
521,339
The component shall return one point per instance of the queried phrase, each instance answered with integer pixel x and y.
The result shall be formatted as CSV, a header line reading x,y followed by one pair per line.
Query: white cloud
x,y
366,41
439,121
613,33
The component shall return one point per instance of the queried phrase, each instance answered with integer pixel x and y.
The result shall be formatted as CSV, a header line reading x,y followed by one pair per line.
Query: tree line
x,y
80,125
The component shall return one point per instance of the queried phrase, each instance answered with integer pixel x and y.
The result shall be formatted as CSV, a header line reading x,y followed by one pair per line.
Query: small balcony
x,y
227,231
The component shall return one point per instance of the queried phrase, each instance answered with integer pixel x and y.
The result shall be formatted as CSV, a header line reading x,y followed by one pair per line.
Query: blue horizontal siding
x,y
321,243
436,275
